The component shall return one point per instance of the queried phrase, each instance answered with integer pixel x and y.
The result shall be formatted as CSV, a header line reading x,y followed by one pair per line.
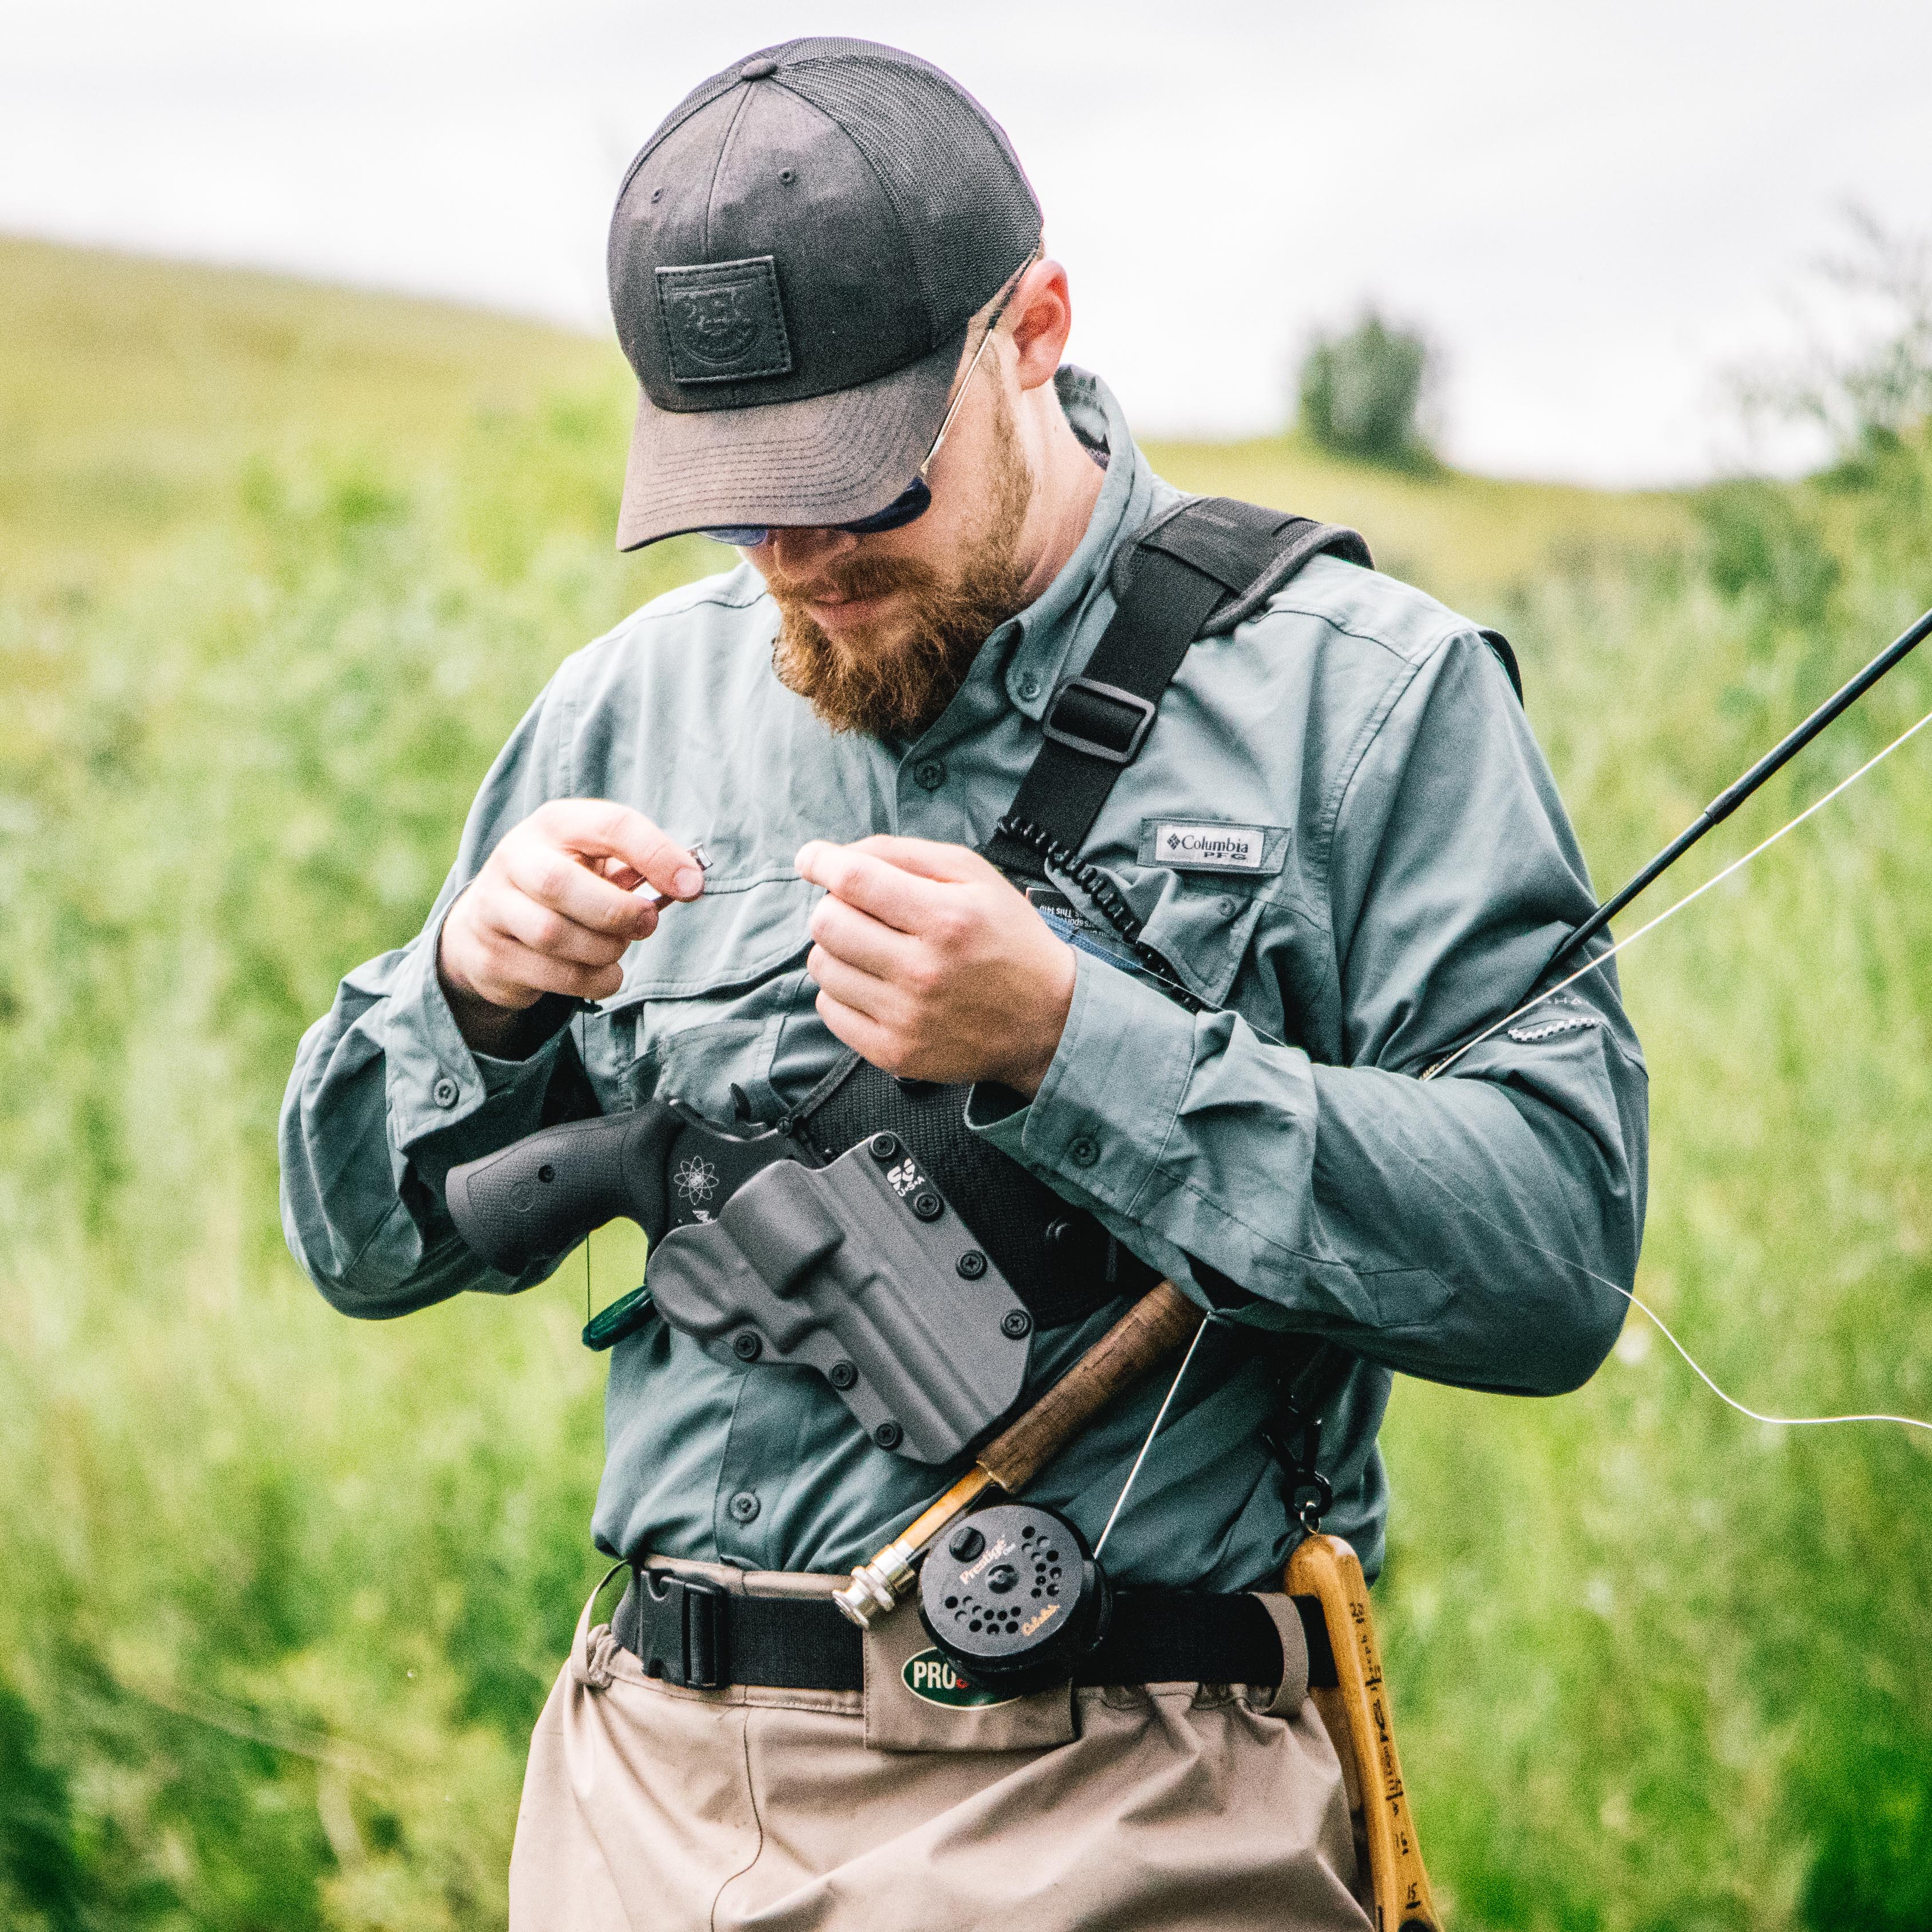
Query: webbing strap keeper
x,y
1086,701
1180,578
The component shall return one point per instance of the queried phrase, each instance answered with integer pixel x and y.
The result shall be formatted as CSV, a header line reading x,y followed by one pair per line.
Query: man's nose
x,y
798,552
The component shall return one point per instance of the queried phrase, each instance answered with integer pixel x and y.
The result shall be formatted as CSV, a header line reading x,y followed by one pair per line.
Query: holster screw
x,y
1015,1322
747,1346
884,1146
927,1205
972,1264
841,1375
888,1435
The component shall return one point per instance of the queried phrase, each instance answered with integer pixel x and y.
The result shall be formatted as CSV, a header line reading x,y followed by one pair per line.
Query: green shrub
x,y
1362,393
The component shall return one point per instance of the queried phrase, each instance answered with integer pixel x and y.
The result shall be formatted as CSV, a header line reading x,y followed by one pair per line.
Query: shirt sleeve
x,y
385,1097
1475,1228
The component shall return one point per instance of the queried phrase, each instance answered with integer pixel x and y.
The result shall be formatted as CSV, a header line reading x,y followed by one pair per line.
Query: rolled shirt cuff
x,y
436,1081
1108,1104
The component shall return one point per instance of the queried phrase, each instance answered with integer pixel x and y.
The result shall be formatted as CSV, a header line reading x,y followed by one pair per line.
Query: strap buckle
x,y
1098,718
690,1611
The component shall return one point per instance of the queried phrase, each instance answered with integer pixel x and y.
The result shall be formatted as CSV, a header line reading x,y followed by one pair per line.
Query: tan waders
x,y
1176,1805
733,1749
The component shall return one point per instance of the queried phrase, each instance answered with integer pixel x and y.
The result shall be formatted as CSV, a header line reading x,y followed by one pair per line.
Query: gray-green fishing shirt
x,y
1341,833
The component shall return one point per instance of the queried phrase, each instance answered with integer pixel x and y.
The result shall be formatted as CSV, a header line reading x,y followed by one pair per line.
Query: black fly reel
x,y
1015,1597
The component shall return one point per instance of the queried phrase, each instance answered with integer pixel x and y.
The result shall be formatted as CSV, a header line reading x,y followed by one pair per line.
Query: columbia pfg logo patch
x,y
931,1677
1212,845
722,321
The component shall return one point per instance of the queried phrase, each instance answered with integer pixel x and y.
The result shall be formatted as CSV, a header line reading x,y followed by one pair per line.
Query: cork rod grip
x,y
1157,1325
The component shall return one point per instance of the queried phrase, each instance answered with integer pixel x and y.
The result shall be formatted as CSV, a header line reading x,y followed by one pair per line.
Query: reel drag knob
x,y
1014,1597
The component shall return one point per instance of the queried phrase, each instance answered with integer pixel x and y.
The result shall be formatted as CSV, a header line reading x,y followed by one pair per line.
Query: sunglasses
x,y
916,498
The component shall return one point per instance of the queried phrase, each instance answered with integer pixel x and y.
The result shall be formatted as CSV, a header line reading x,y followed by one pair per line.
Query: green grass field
x,y
280,567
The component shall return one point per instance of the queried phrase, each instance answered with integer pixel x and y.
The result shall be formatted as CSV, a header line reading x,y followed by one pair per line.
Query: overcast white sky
x,y
1595,210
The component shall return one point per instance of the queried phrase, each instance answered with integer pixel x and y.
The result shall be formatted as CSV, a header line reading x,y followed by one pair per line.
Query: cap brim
x,y
830,459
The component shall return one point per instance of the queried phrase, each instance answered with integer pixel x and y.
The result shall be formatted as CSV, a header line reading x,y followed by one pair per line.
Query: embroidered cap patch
x,y
722,320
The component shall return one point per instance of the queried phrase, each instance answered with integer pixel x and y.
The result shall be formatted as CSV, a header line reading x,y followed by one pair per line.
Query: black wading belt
x,y
687,1631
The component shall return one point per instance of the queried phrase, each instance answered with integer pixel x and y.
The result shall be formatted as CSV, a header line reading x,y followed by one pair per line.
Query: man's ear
x,y
1041,313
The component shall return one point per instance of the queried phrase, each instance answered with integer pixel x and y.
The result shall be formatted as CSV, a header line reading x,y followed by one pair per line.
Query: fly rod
x,y
1728,800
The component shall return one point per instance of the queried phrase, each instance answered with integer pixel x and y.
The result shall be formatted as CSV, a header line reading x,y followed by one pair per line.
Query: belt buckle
x,y
695,1609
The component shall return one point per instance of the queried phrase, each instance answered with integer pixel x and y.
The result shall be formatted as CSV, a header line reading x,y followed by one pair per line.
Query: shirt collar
x,y
1072,611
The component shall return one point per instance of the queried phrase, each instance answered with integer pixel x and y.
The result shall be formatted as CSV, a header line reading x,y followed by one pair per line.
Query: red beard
x,y
892,679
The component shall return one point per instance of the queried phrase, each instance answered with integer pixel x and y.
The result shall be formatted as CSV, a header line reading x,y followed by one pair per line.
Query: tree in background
x,y
1362,394
1865,379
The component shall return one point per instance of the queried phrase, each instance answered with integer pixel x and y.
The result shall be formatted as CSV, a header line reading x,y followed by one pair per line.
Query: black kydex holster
x,y
859,1268
863,1271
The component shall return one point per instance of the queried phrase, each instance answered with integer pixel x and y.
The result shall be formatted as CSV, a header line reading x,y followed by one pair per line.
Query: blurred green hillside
x,y
280,568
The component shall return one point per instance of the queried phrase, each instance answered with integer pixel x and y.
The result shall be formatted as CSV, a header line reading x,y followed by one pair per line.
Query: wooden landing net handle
x,y
1325,1567
1157,1325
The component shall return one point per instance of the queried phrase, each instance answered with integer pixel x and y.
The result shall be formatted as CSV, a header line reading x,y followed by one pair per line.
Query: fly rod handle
x,y
1161,1321
1154,1328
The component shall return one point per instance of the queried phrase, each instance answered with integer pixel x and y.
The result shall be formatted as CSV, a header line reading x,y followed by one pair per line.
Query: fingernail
x,y
688,883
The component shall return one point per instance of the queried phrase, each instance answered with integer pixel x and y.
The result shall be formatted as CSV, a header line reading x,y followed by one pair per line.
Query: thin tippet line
x,y
1671,911
1173,1389
1422,1167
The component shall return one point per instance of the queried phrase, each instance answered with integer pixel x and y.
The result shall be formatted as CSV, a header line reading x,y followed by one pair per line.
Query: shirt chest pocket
x,y
1206,885
705,997
1203,930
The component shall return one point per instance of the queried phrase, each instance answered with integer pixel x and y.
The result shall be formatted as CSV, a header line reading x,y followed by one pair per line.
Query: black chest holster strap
x,y
690,1631
1197,571
1199,568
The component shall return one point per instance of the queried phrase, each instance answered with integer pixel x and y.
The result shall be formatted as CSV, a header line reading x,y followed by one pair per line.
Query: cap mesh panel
x,y
965,208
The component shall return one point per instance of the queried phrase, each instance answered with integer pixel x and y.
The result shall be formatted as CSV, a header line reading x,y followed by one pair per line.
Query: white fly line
x,y
1442,1066
1672,910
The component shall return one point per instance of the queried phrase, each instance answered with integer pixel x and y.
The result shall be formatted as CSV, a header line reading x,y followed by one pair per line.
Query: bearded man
x,y
1335,855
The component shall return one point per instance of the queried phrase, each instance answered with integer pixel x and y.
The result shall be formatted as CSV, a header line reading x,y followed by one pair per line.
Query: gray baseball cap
x,y
794,258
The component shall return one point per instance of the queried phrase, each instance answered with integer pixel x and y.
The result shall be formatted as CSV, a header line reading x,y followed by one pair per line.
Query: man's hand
x,y
932,966
553,910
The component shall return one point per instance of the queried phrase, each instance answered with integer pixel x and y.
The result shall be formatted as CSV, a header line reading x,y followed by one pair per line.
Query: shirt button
x,y
1085,1152
1029,687
930,775
1227,906
446,1093
744,1507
